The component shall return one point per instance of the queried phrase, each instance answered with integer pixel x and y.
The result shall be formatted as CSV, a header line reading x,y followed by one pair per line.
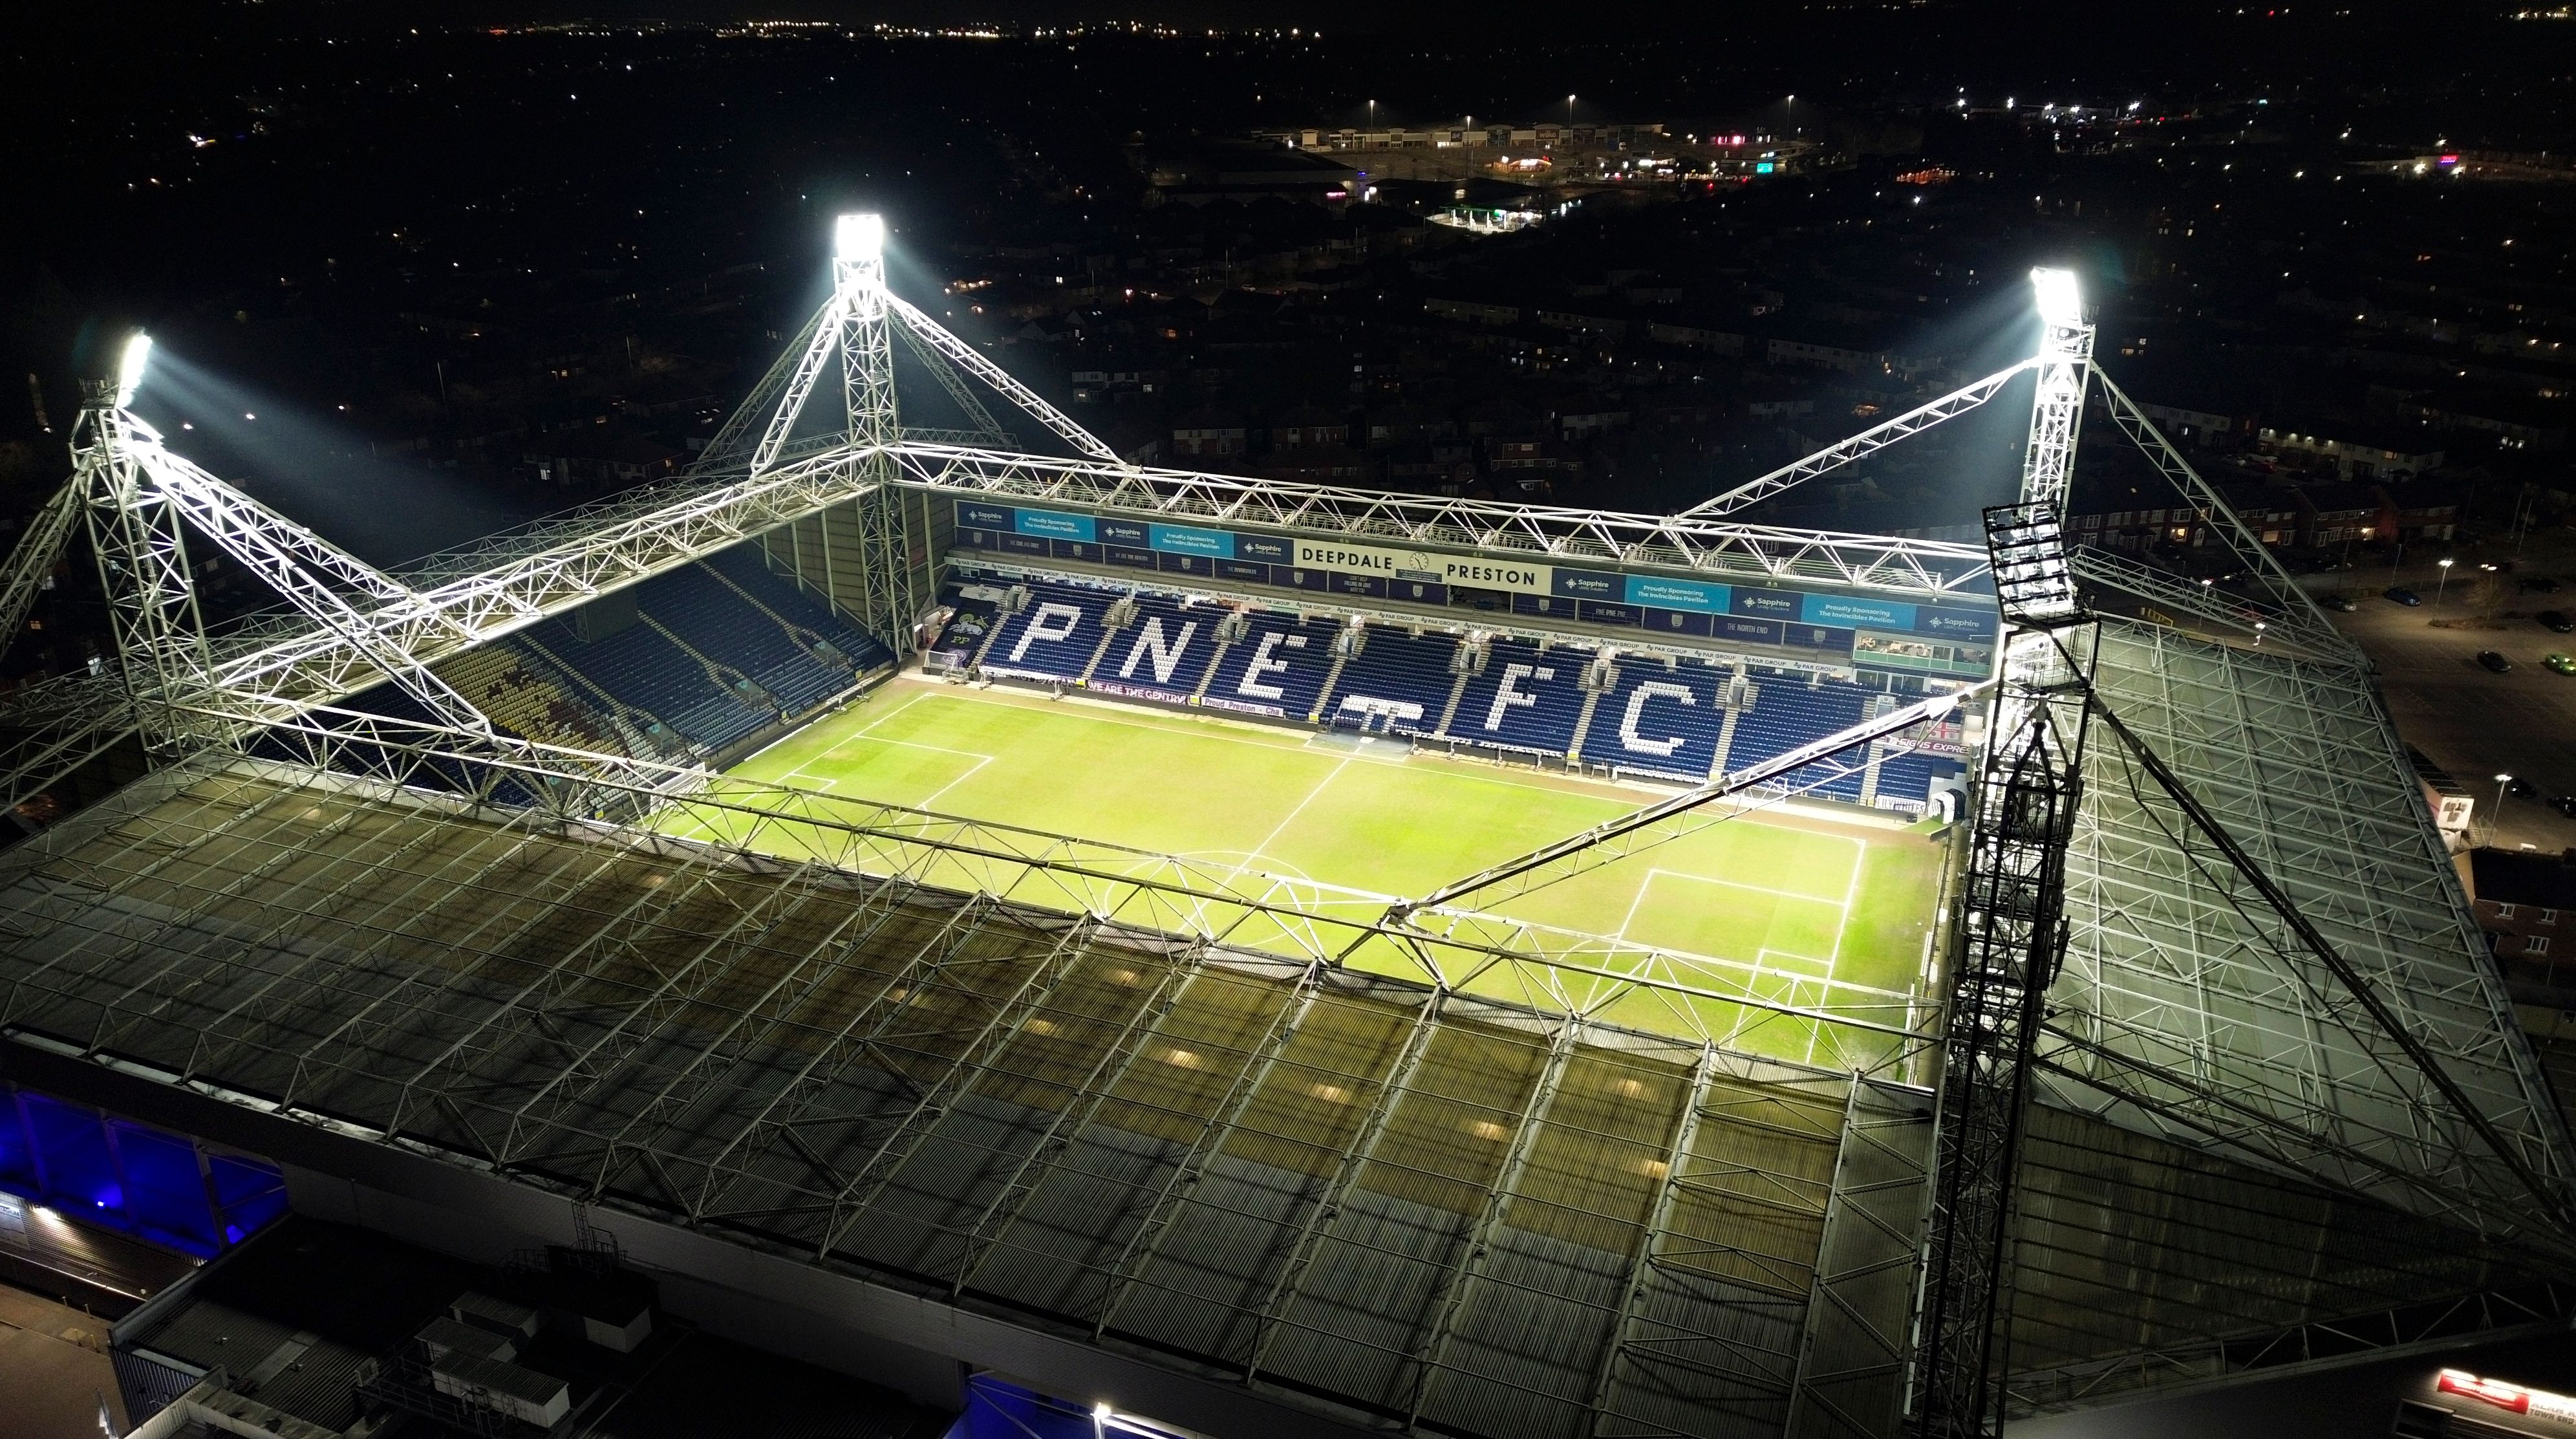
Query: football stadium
x,y
1239,957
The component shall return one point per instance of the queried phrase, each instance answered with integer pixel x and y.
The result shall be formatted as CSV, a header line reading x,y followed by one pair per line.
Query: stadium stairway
x,y
1053,637
1398,682
1785,709
642,668
512,693
1664,720
1278,668
1527,700
1165,652
1449,710
1583,721
1674,718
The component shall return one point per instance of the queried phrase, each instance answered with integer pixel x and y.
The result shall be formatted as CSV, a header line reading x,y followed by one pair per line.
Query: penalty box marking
x,y
1841,909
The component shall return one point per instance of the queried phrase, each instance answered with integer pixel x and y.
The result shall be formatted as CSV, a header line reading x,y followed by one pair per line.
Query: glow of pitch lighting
x,y
129,366
859,237
2060,302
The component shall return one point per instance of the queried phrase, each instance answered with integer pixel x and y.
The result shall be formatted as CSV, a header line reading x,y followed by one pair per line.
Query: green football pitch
x,y
1800,908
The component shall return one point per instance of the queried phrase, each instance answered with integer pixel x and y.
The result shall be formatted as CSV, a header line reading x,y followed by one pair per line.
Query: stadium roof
x,y
1347,1192
2189,1008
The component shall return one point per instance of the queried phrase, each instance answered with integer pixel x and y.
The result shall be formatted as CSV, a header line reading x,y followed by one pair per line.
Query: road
x,y
2470,721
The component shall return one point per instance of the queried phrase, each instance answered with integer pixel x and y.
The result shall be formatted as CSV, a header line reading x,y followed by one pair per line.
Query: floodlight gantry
x,y
350,626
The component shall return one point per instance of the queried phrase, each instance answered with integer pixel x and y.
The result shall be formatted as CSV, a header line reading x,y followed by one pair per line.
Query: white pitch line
x,y
1739,884
980,762
1291,817
1851,896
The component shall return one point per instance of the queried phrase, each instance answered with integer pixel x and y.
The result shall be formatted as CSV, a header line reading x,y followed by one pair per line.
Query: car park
x,y
2402,596
2494,661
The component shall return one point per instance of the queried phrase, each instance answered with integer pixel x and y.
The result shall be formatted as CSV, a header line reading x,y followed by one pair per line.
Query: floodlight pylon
x,y
2064,362
142,553
867,353
130,365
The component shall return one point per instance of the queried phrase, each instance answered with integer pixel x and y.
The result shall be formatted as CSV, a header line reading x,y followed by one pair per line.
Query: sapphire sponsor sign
x,y
1589,585
1053,525
1697,596
1850,612
1765,604
1184,540
1673,604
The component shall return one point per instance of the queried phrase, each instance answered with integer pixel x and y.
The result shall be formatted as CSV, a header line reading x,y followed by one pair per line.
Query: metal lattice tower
x,y
2261,967
142,554
2012,935
2012,932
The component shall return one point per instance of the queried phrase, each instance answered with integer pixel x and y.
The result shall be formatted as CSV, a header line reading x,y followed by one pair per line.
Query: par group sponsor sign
x,y
1891,634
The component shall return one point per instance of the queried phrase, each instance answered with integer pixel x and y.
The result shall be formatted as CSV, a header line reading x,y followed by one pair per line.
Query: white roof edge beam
x,y
1877,437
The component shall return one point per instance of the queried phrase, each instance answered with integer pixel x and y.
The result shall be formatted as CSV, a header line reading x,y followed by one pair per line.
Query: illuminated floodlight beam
x,y
867,353
2061,301
853,326
2065,362
129,366
858,238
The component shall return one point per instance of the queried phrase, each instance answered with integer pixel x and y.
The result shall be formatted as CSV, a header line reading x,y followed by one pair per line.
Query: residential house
x,y
1208,434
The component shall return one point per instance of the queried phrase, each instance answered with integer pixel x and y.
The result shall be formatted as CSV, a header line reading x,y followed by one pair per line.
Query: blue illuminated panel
x,y
130,1177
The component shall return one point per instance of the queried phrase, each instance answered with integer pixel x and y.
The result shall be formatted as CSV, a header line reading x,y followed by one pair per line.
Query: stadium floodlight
x,y
859,238
2060,302
129,366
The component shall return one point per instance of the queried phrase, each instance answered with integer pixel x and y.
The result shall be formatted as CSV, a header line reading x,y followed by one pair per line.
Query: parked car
x,y
2563,664
2565,804
2341,604
2521,789
2556,622
2540,584
2494,661
2402,596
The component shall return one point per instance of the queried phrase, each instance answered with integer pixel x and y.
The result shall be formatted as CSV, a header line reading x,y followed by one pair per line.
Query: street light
x,y
2497,818
2439,583
1569,112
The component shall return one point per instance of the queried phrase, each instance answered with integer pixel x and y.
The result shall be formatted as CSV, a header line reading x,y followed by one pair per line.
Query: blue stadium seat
x,y
971,621
743,565
390,700
1524,700
1275,669
1051,639
1790,710
1404,677
643,669
1657,720
1163,652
